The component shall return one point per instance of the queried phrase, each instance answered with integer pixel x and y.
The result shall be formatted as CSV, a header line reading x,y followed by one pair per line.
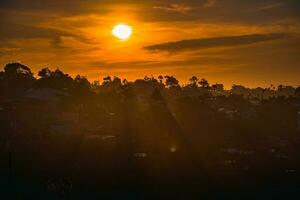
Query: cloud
x,y
205,43
229,11
17,31
177,8
270,6
210,3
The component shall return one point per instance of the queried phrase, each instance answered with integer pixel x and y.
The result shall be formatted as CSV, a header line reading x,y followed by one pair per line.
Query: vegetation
x,y
64,137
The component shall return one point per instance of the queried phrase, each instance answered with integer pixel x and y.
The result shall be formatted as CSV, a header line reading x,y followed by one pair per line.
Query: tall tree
x,y
171,81
193,80
45,73
17,77
204,83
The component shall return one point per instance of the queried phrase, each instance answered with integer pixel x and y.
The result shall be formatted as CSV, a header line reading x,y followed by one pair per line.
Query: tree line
x,y
18,77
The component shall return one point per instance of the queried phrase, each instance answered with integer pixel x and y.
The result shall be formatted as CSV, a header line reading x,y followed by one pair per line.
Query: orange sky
x,y
251,43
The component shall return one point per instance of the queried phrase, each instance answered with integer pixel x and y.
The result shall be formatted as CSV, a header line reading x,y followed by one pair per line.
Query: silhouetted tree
x,y
107,79
45,73
217,89
171,81
240,90
17,77
194,80
204,83
82,82
147,78
160,78
55,80
112,84
125,82
117,81
286,91
17,69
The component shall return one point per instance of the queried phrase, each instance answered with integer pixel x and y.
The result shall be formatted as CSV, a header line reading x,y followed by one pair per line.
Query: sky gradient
x,y
249,42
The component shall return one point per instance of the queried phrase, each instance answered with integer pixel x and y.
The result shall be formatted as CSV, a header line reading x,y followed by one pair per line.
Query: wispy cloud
x,y
269,6
210,3
226,41
177,8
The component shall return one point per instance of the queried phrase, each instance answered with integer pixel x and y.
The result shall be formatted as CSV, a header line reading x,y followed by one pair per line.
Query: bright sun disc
x,y
122,31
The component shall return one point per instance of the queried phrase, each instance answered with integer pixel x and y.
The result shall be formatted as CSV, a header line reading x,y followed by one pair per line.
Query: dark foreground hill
x,y
65,138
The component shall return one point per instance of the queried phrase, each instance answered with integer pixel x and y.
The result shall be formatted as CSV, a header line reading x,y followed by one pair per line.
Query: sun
x,y
122,31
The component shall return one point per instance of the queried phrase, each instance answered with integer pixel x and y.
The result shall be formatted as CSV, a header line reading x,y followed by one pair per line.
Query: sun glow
x,y
122,31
